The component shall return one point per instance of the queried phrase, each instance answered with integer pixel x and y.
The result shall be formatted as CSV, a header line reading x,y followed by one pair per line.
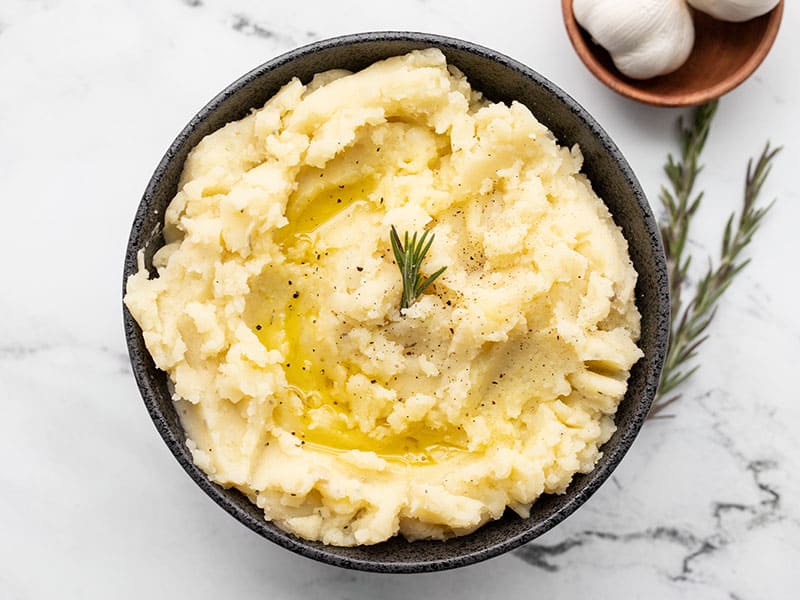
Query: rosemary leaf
x,y
409,254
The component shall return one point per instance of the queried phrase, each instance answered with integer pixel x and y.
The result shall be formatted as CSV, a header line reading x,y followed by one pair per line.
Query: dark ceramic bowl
x,y
501,79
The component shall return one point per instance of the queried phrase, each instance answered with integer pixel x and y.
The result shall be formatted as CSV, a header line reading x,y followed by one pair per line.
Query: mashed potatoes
x,y
276,313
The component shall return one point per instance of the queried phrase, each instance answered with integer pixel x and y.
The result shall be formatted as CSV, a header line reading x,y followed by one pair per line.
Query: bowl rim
x,y
140,357
613,79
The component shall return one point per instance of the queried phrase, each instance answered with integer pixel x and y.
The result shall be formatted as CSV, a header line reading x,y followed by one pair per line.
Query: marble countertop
x,y
92,505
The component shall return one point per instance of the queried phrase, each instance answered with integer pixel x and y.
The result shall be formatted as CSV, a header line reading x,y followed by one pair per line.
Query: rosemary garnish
x,y
689,323
409,254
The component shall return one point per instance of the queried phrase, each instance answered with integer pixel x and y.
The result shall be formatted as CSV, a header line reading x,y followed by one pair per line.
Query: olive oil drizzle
x,y
287,323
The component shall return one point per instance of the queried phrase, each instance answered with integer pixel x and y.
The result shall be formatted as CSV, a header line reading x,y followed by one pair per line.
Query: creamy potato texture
x,y
275,309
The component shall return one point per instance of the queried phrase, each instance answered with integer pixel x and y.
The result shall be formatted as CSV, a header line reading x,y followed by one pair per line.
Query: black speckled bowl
x,y
501,79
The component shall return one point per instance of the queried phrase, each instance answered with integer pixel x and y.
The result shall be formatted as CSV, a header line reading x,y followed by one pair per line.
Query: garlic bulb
x,y
734,10
644,37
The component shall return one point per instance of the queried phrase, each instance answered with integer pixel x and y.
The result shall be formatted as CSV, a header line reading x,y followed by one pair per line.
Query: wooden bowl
x,y
724,55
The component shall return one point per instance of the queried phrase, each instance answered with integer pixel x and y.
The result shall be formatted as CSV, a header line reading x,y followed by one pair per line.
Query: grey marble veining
x,y
91,503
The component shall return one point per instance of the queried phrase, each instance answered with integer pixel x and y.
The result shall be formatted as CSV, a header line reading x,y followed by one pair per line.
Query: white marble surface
x,y
92,505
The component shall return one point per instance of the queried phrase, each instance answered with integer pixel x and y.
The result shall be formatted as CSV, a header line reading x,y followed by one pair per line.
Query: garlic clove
x,y
645,38
734,10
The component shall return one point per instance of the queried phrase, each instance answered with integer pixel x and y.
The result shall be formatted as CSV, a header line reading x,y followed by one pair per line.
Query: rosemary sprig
x,y
409,255
679,205
689,324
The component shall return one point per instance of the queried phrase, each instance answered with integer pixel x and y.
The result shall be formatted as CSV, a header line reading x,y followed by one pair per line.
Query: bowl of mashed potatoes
x,y
396,302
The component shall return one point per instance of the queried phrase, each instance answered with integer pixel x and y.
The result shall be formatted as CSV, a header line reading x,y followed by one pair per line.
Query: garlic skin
x,y
734,10
645,38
